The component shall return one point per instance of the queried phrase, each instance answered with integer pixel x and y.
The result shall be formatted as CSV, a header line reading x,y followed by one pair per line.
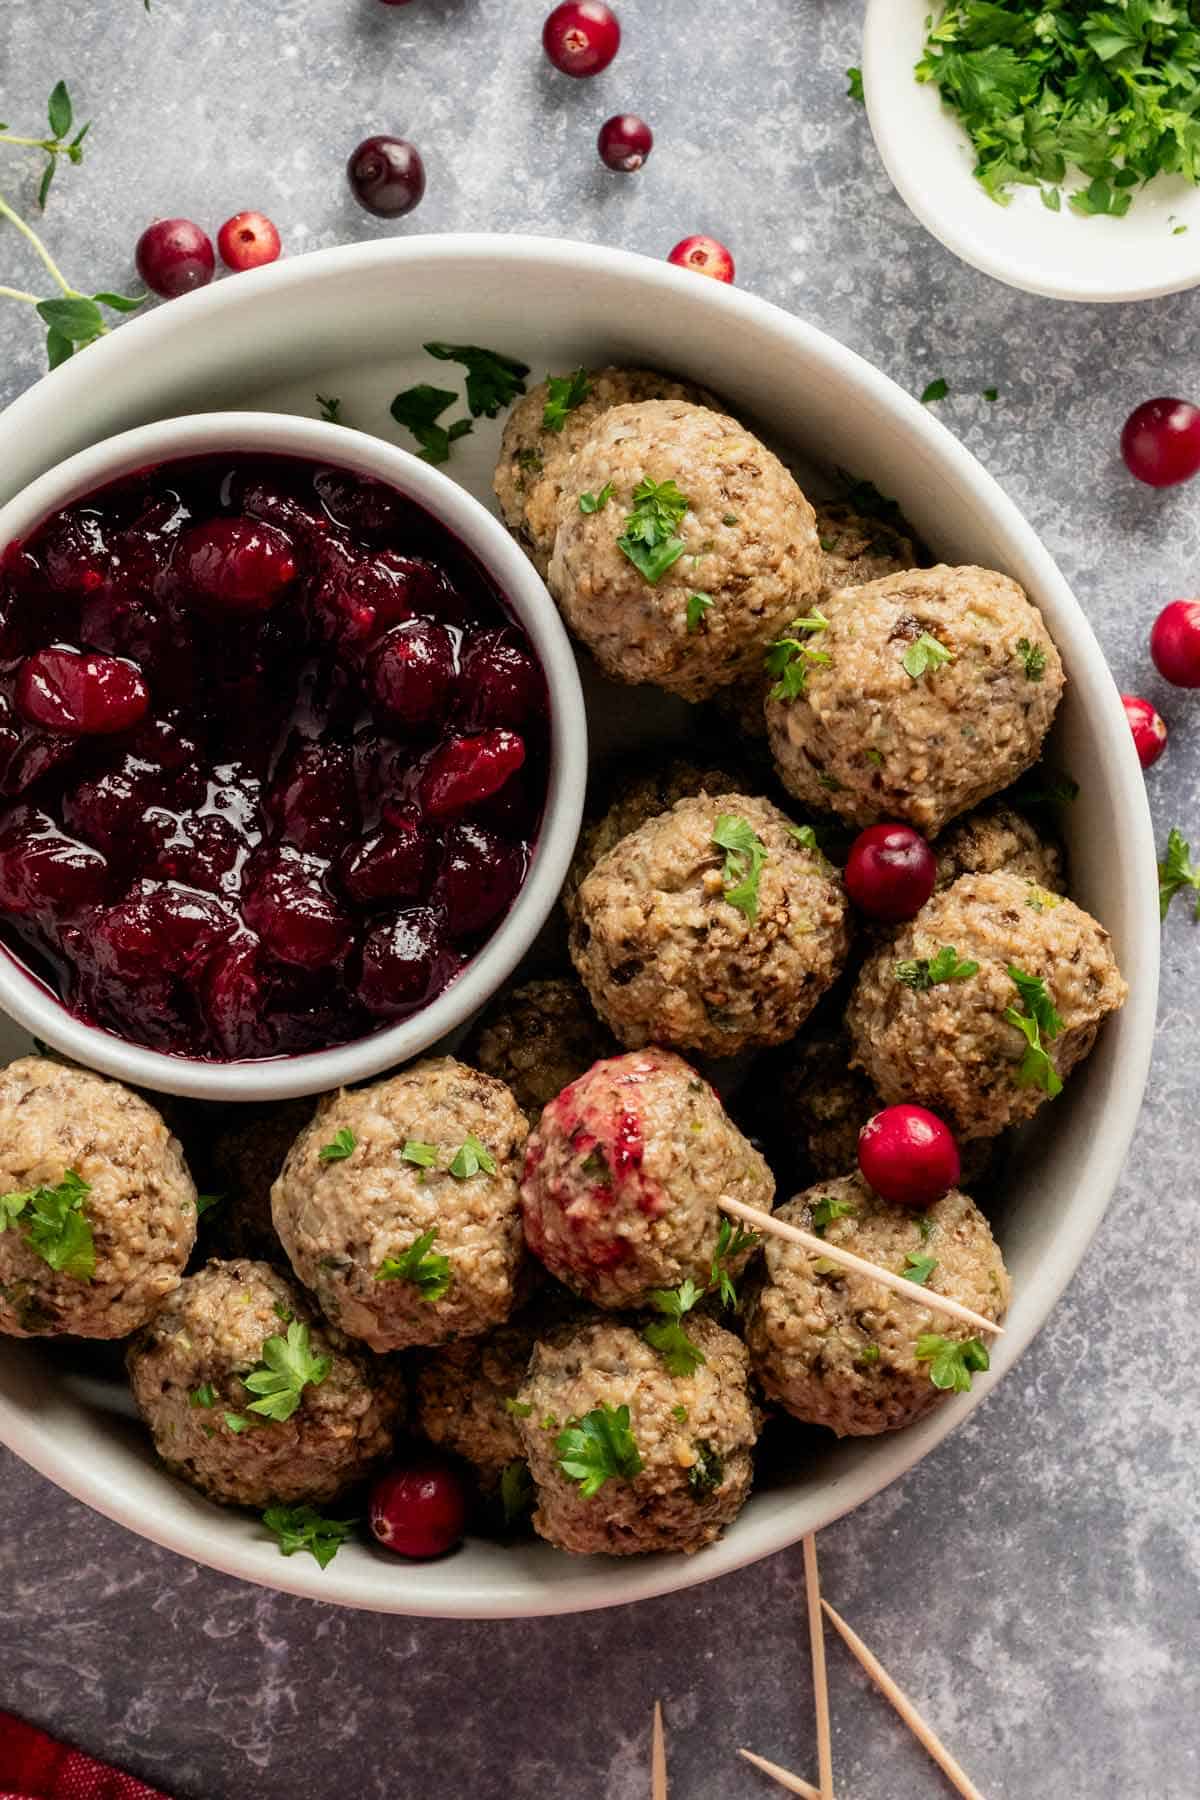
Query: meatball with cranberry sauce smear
x,y
398,1206
623,1176
537,1038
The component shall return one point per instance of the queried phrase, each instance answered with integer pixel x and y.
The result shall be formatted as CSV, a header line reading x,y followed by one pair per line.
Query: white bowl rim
x,y
174,1517
319,1071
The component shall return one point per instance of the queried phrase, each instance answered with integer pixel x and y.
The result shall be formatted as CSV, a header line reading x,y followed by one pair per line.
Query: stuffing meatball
x,y
840,1350
187,1370
107,1213
247,1154
856,550
398,1206
938,689
746,548
683,1466
997,838
623,1175
464,1397
536,1038
534,456
951,1046
667,956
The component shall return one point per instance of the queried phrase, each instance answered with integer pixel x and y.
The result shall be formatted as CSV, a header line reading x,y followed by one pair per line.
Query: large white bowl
x,y
316,1072
350,322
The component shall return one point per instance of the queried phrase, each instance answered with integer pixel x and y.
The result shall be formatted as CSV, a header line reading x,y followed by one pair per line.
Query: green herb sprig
x,y
599,1447
429,1272
54,1224
789,658
651,538
564,394
1176,872
924,656
745,857
304,1528
922,973
60,114
343,1144
493,380
288,1367
419,409
1039,1024
951,1362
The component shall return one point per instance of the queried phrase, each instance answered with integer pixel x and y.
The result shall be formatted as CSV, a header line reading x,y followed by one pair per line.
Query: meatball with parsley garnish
x,y
984,1003
536,1038
97,1208
252,1398
545,429
683,547
998,839
915,697
465,1401
627,1457
622,1179
715,927
837,1349
398,1206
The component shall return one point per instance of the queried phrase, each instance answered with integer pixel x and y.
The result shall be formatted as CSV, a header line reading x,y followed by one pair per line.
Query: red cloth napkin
x,y
34,1767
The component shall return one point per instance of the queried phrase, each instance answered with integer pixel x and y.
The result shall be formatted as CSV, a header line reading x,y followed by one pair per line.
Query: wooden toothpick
x,y
816,1632
784,1777
658,1757
858,1265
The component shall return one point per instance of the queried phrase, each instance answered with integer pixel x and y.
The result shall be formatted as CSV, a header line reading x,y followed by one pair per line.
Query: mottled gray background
x,y
1034,1581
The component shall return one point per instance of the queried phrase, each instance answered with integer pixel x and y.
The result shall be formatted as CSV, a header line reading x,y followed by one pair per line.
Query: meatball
x,y
623,1175
952,1046
937,689
747,548
247,1154
838,1349
688,1470
668,956
465,1395
398,1206
636,797
996,838
98,1215
187,1370
534,457
536,1038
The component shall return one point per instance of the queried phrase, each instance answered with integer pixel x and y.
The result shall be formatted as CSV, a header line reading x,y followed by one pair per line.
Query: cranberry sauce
x,y
273,754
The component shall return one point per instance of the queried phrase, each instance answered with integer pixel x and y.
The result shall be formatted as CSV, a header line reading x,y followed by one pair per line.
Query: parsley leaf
x,y
951,1362
565,393
429,1271
732,1242
304,1528
205,1395
789,657
517,1409
597,1448
288,1367
330,407
516,1490
827,1209
923,656
697,606
707,1472
937,390
343,1144
923,972
1176,871
869,1354
206,1202
236,1422
471,1158
594,503
53,1224
991,394
423,1155
918,1268
418,409
855,89
1039,1024
667,1335
493,380
1034,658
650,539
745,856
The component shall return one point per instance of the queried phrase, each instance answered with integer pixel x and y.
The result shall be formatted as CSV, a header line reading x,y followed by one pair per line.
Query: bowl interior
x,y
350,323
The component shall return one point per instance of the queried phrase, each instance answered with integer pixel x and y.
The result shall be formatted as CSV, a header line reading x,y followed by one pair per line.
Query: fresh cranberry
x,y
479,878
704,256
42,870
126,625
1148,727
581,37
237,563
75,553
80,692
109,809
174,256
386,176
359,597
295,918
890,872
405,962
1175,643
247,241
908,1156
159,929
1160,441
34,755
259,498
501,684
389,865
624,143
312,800
463,771
411,674
420,1509
233,999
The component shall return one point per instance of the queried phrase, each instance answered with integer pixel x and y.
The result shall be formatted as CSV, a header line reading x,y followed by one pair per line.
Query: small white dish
x,y
32,1005
1064,255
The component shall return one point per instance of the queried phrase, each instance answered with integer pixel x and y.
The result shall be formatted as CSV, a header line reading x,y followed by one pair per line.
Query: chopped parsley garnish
x,y
565,393
732,1242
205,1203
1176,871
236,1422
493,380
429,1272
855,89
869,1354
804,834
680,1413
707,1472
53,1224
304,1528
423,1155
925,1227
597,1448
288,1367
667,1336
1039,1024
343,1144
745,855
925,655
472,1158
205,1395
516,1490
594,503
530,460
418,409
518,1409
789,657
697,606
951,1362
1034,658
991,394
924,972
1040,898
937,390
283,1312
918,1268
330,408
827,1209
651,538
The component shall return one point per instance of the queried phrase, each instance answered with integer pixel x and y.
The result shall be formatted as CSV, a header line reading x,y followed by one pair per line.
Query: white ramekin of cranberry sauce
x,y
292,756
